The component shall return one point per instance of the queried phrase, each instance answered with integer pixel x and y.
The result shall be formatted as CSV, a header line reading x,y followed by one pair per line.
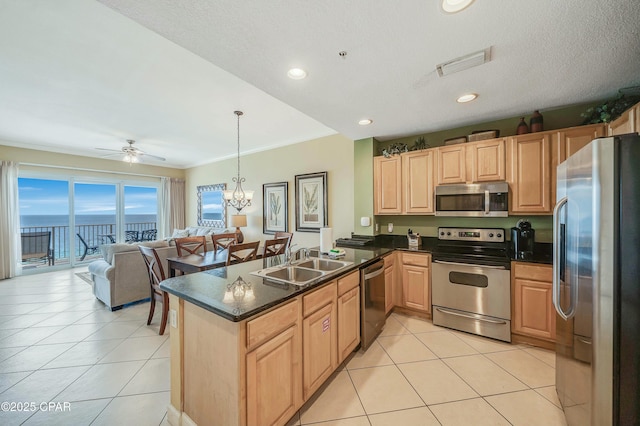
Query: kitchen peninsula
x,y
248,351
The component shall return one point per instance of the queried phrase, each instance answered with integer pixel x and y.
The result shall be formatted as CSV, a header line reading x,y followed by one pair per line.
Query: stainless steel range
x,y
471,282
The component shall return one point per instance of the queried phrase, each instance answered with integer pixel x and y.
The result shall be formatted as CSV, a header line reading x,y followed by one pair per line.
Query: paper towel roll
x,y
326,240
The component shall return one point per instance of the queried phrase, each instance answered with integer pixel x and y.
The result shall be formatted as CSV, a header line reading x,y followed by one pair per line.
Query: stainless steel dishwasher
x,y
372,300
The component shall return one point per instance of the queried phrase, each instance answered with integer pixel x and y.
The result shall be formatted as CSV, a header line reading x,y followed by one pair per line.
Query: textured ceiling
x,y
163,87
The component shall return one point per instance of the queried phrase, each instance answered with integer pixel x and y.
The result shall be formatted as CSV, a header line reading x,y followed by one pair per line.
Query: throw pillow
x,y
180,233
203,232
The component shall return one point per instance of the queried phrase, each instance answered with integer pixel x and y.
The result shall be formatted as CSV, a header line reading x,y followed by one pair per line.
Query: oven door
x,y
472,298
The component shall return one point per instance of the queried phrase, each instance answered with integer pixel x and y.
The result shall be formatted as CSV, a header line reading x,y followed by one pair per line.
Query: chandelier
x,y
238,198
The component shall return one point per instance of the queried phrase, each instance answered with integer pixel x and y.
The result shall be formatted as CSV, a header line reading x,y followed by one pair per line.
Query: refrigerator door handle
x,y
557,266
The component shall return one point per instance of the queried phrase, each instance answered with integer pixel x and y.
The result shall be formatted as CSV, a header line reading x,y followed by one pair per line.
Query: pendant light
x,y
238,198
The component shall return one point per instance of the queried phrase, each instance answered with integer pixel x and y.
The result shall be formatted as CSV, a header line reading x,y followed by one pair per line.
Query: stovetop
x,y
480,246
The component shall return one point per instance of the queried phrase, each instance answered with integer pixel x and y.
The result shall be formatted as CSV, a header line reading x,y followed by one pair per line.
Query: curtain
x,y
172,214
9,220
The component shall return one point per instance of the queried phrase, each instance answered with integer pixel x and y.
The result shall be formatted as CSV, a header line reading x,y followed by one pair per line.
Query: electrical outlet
x,y
377,227
173,318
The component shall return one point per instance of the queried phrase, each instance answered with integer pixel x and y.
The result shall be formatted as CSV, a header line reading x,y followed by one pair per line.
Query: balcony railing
x,y
94,235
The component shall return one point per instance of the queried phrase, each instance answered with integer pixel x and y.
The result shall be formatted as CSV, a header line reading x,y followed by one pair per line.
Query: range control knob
x,y
499,235
490,235
448,234
442,233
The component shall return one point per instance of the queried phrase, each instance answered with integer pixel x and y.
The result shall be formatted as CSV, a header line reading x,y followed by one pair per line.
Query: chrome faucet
x,y
290,256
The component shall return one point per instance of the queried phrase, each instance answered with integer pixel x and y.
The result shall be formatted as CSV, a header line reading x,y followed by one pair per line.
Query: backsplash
x,y
427,226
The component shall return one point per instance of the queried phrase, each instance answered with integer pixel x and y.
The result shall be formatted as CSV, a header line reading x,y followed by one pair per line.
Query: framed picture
x,y
311,202
276,207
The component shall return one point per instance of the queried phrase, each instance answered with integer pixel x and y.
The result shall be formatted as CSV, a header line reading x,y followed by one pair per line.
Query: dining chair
x,y
185,245
244,252
223,241
275,246
156,275
282,234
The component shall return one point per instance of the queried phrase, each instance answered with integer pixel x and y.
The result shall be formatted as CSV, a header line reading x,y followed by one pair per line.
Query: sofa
x,y
120,277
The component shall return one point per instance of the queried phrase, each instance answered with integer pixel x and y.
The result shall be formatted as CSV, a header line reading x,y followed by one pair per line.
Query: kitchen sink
x,y
323,264
303,272
295,274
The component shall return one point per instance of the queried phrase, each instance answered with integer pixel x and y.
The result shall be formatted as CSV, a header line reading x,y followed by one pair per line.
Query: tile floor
x,y
57,343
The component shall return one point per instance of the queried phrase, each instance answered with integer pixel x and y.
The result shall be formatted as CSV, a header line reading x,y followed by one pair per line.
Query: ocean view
x,y
84,219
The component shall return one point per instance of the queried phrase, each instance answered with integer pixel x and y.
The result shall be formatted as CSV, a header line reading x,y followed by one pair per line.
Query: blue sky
x,y
51,197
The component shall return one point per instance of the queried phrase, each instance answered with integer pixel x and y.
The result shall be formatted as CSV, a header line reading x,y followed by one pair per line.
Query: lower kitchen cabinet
x,y
533,311
319,338
416,281
348,323
348,314
273,363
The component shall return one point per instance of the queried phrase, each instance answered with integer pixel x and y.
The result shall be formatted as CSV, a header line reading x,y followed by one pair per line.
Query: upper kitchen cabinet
x,y
529,173
418,181
629,122
567,142
452,164
487,160
387,185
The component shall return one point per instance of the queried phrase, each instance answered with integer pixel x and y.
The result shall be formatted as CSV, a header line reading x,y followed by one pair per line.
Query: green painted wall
x,y
363,153
559,118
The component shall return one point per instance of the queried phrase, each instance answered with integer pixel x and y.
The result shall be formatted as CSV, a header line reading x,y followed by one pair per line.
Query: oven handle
x,y
469,264
445,311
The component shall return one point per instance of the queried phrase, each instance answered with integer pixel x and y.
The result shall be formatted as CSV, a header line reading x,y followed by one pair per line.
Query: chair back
x,y
191,245
242,252
130,236
281,234
275,246
36,245
154,269
223,241
148,235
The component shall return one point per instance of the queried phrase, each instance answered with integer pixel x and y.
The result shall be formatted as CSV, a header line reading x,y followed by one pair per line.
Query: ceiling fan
x,y
131,153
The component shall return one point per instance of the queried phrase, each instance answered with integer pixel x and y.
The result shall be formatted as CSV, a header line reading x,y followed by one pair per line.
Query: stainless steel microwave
x,y
473,200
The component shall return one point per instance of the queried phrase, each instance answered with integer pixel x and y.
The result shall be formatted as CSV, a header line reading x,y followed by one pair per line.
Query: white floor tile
x,y
140,410
80,413
414,416
435,382
475,412
336,400
152,377
527,408
101,381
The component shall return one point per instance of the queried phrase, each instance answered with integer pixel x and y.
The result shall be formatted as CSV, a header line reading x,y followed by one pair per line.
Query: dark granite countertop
x,y
207,289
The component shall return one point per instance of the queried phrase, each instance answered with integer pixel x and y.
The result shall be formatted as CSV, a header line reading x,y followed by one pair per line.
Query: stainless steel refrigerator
x,y
596,283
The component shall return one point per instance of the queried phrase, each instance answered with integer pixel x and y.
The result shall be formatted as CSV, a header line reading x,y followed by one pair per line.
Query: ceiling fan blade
x,y
111,155
112,150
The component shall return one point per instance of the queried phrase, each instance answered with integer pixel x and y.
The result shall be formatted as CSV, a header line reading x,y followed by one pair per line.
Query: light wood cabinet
x,y
628,122
319,338
529,173
348,314
348,323
567,142
533,311
387,185
418,181
452,164
487,160
416,281
273,367
389,281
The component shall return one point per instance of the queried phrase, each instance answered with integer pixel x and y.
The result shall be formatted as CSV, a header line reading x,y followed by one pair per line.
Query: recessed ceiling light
x,y
365,122
455,6
467,97
297,73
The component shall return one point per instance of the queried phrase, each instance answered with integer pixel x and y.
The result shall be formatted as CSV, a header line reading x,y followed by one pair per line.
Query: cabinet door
x,y
319,348
348,323
534,314
452,164
387,185
415,288
567,142
636,118
274,382
623,124
417,181
388,289
529,174
487,160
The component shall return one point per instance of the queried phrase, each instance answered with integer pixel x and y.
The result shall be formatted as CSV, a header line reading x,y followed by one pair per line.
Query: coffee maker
x,y
522,239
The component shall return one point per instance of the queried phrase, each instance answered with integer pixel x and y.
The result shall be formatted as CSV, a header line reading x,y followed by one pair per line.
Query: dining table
x,y
191,263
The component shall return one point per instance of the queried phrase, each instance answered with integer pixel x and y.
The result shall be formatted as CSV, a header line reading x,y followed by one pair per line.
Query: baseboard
x,y
174,416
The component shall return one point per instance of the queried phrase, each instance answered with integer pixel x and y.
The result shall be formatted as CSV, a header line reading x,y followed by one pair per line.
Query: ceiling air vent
x,y
464,62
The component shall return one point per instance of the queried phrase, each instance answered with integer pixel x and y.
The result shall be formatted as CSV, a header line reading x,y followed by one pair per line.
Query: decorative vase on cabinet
x,y
522,127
